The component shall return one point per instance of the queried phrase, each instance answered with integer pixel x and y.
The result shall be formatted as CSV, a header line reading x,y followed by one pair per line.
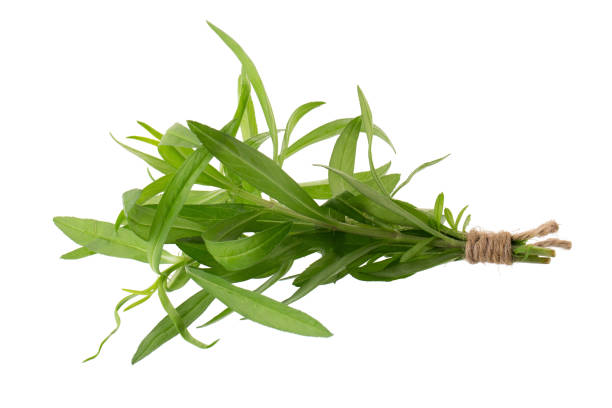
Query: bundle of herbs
x,y
254,221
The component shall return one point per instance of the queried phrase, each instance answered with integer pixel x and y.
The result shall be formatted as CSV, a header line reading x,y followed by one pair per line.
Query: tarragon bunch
x,y
253,221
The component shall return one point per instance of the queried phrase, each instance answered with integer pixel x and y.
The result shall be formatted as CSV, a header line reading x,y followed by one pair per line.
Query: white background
x,y
519,92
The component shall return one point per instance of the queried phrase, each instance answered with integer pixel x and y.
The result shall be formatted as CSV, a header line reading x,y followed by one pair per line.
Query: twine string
x,y
496,247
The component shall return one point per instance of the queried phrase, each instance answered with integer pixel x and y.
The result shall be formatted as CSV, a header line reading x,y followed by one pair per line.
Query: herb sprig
x,y
231,233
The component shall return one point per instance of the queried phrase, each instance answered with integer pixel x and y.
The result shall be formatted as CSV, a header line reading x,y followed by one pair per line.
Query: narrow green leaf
x,y
189,311
438,210
294,119
138,302
343,156
177,319
145,140
257,169
244,93
117,324
196,249
197,197
398,270
180,136
149,129
212,177
152,161
388,204
315,268
154,188
282,271
294,247
415,171
248,124
178,280
415,250
212,213
319,189
327,272
255,79
171,155
448,216
366,118
244,252
78,253
326,131
232,227
459,216
120,220
101,237
466,222
172,201
259,308
341,203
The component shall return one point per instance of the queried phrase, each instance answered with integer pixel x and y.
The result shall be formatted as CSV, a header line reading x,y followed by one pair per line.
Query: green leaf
x,y
248,124
172,201
438,209
140,220
291,249
197,197
466,222
102,238
231,228
195,248
154,188
341,203
415,171
180,136
117,324
189,311
178,280
315,268
343,156
149,129
78,253
255,79
177,319
326,131
415,250
259,308
212,213
380,214
282,271
212,177
319,189
152,161
458,220
448,216
388,204
294,119
403,270
327,272
171,155
257,169
145,140
244,252
366,118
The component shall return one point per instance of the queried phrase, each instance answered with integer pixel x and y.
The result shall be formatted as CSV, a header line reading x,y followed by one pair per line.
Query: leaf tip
x,y
136,358
326,333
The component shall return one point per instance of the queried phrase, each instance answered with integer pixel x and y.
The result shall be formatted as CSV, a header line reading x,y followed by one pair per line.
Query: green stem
x,y
332,224
531,259
533,250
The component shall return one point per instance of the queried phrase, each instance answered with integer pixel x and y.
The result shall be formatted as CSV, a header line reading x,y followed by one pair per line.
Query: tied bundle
x,y
247,219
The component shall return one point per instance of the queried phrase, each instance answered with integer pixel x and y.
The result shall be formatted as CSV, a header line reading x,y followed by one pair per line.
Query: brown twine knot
x,y
496,247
